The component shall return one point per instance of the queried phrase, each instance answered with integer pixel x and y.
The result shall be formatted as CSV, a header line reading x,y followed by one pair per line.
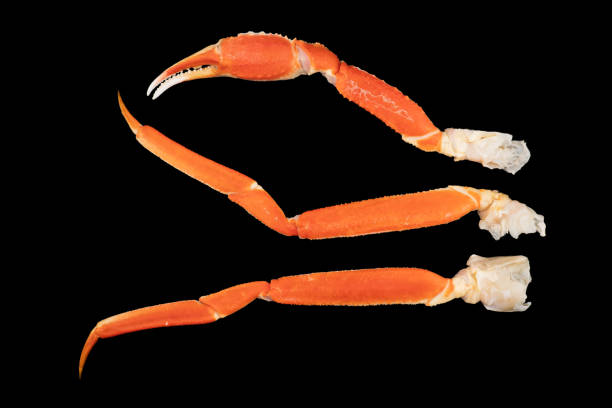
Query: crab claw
x,y
202,64
250,56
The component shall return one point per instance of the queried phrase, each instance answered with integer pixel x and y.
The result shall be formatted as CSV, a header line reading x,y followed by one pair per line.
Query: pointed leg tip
x,y
89,343
131,120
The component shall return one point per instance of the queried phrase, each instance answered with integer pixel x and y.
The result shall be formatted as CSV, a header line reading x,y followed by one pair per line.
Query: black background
x,y
141,233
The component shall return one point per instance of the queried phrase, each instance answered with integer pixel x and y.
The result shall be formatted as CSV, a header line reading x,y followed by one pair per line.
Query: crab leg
x,y
499,214
500,283
269,57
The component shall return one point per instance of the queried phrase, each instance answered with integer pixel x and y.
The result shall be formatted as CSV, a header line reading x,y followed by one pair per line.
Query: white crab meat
x,y
501,215
500,283
493,149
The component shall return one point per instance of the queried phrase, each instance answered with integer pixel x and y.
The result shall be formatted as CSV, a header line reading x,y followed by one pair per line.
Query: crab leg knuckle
x,y
262,206
235,298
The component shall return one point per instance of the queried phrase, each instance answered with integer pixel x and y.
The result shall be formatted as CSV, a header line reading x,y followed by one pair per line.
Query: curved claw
x,y
251,56
188,69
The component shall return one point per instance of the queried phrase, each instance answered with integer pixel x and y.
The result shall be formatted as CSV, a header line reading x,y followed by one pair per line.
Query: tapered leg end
x,y
89,343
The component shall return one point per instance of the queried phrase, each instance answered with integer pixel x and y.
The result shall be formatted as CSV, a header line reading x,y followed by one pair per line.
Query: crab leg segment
x,y
351,288
389,105
269,57
499,283
364,287
182,313
238,187
393,213
386,214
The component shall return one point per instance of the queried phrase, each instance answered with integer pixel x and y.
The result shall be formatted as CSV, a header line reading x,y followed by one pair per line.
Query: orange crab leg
x,y
500,283
268,57
364,287
389,105
392,213
351,288
385,214
182,313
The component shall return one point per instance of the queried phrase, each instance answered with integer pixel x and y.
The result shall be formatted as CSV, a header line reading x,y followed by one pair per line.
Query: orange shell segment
x,y
358,287
213,174
430,143
384,101
168,314
258,57
392,213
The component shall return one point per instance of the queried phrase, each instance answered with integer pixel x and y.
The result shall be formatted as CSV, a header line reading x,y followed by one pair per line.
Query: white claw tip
x,y
163,82
500,215
493,149
500,283
152,86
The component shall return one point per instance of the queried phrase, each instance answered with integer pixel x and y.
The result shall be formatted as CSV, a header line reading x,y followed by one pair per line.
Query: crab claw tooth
x,y
187,69
156,82
197,73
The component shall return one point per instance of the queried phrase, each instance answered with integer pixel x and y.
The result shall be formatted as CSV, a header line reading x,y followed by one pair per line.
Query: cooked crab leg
x,y
499,214
269,57
500,283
